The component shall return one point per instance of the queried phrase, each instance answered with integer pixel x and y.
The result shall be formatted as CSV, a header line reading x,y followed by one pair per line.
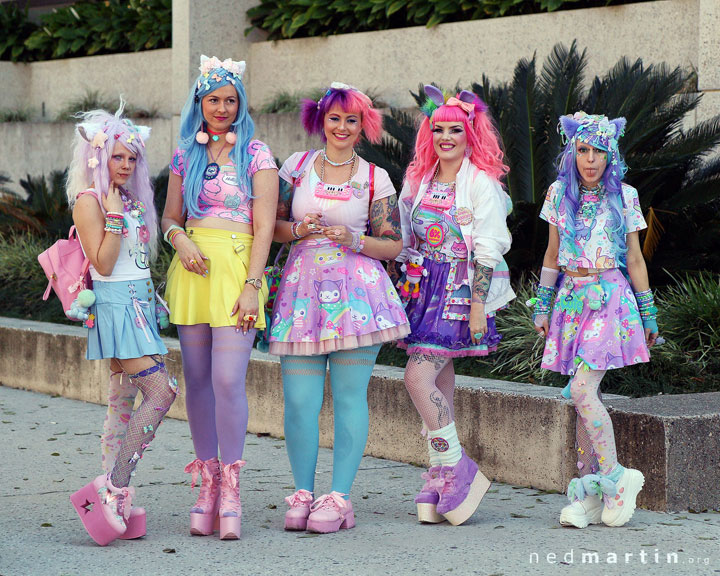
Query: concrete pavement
x,y
50,448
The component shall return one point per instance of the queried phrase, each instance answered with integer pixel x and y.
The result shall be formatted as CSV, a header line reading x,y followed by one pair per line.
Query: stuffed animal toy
x,y
414,272
81,304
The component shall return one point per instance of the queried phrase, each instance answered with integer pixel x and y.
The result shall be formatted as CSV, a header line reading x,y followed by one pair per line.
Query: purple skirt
x,y
611,336
439,315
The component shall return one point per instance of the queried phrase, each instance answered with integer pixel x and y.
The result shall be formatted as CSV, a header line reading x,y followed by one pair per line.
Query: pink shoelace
x,y
230,503
299,499
332,501
208,489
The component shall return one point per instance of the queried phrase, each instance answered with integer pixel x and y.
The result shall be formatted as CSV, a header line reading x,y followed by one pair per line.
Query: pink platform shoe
x,y
136,525
97,504
203,516
230,508
330,513
296,518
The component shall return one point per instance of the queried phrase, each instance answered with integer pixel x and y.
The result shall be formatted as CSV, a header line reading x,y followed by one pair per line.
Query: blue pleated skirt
x,y
124,325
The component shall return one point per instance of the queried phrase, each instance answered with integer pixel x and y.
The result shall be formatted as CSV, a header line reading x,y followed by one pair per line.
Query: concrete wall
x,y
519,433
39,147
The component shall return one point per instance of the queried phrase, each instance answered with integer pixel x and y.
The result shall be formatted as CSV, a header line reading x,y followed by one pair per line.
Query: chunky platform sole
x,y
326,527
136,525
203,524
479,487
427,514
297,523
569,517
99,520
625,500
230,527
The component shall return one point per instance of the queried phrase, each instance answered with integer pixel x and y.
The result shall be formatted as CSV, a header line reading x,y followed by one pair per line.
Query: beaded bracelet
x,y
646,305
358,242
115,215
294,230
542,301
173,236
169,231
113,225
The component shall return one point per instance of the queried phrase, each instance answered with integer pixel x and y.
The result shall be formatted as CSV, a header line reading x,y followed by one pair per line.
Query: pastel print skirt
x,y
595,320
331,298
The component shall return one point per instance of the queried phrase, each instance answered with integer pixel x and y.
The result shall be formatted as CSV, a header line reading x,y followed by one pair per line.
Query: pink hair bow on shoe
x,y
299,498
333,500
196,467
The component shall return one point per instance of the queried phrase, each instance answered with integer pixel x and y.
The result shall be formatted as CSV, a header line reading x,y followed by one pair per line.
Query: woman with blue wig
x,y
219,217
599,320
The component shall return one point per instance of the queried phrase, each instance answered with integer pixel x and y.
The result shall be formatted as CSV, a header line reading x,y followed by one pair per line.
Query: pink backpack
x,y
66,268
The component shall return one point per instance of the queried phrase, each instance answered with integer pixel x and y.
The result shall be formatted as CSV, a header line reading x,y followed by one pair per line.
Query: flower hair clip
x,y
341,86
207,65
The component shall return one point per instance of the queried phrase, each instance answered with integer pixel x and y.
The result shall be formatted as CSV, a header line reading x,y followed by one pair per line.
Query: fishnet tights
x,y
158,396
430,384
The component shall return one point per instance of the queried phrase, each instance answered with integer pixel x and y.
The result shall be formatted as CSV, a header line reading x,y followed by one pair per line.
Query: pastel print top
x,y
222,196
595,246
434,223
352,212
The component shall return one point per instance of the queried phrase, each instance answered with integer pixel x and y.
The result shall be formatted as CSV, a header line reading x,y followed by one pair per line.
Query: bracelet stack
x,y
646,306
358,242
172,233
542,301
294,230
114,222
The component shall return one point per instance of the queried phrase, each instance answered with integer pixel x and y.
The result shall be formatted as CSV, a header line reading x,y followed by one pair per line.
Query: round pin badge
x,y
435,235
439,444
463,216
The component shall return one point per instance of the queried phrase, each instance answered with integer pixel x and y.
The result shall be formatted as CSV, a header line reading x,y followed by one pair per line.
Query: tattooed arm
x,y
386,241
480,289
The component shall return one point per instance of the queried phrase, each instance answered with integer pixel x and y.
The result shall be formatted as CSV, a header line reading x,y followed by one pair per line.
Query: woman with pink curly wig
x,y
453,211
335,304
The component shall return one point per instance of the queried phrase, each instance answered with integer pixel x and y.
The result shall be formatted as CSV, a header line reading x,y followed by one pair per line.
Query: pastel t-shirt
x,y
223,197
595,245
434,223
351,213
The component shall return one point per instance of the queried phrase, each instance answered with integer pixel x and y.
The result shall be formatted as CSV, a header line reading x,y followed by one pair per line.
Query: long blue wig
x,y
195,154
601,133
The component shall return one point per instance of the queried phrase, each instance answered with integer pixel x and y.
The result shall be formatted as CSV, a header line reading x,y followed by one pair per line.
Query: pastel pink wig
x,y
482,138
349,101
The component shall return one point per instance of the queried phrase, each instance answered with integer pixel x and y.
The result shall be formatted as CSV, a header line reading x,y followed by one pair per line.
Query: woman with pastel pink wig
x,y
335,304
453,211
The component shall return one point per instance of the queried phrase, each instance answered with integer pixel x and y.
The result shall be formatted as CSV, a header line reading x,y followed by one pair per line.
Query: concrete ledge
x,y
520,433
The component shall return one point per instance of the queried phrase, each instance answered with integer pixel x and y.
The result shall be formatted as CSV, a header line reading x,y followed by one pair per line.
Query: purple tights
x,y
215,363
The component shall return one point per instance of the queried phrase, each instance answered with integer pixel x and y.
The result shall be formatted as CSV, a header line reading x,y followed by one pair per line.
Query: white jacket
x,y
486,233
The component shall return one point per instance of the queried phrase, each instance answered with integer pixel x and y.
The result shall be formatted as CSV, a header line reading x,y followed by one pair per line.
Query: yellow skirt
x,y
193,299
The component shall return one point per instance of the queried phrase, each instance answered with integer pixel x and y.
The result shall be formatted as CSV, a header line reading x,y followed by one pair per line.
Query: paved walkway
x,y
50,448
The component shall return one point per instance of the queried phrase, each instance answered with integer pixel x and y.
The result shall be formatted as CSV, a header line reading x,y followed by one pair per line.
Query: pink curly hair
x,y
482,138
350,100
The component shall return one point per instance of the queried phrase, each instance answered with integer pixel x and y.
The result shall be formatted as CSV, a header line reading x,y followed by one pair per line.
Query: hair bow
x,y
207,65
465,100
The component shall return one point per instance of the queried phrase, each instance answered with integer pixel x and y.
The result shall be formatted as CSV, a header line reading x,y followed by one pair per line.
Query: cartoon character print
x,y
360,312
327,256
300,312
583,230
551,353
383,317
595,331
329,294
139,251
603,261
366,272
281,327
459,249
293,276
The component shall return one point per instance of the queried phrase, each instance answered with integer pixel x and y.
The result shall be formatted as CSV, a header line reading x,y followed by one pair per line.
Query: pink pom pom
x,y
231,138
202,137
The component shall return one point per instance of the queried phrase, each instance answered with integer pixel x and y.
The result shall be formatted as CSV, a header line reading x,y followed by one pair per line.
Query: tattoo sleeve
x,y
481,283
385,218
284,200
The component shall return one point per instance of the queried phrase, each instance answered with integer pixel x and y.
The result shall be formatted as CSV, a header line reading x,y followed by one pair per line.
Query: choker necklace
x,y
350,160
215,135
212,169
590,200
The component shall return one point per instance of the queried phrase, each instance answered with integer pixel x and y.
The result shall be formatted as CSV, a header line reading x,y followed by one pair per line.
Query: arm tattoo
x,y
481,283
284,200
385,219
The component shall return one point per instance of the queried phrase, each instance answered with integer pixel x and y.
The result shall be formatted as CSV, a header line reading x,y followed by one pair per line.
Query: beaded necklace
x,y
590,200
335,191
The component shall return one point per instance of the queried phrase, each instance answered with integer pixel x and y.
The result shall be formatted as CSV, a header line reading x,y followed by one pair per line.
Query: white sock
x,y
444,446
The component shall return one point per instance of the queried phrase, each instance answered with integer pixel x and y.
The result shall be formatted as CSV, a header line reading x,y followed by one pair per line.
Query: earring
x,y
468,151
231,138
202,137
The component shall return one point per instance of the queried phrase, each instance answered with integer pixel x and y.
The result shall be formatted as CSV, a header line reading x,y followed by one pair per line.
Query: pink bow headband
x,y
466,101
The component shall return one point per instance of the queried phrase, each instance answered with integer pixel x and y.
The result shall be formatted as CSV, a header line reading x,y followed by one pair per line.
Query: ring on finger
x,y
311,226
249,318
193,262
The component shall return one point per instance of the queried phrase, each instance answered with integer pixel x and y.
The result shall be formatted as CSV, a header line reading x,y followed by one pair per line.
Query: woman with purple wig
x,y
111,197
599,320
335,304
453,211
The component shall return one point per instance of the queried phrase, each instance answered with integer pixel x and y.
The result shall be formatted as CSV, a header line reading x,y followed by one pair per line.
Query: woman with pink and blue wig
x,y
335,304
219,217
599,320
111,197
453,211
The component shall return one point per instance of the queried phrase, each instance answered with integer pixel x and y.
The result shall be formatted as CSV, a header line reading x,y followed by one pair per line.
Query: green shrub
x,y
94,100
15,115
15,28
300,18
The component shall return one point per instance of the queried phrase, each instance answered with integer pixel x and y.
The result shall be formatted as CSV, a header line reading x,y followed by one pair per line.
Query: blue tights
x,y
304,387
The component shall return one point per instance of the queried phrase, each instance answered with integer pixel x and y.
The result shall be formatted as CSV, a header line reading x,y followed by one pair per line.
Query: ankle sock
x,y
443,445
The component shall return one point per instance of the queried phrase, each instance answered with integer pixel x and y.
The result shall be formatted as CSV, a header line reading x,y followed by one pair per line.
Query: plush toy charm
x,y
595,296
79,307
414,272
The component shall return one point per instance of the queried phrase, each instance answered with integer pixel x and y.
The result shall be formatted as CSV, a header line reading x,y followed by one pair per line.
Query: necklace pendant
x,y
333,191
211,171
215,138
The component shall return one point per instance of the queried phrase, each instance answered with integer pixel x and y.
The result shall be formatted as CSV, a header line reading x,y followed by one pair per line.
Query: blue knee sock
x,y
350,372
303,389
